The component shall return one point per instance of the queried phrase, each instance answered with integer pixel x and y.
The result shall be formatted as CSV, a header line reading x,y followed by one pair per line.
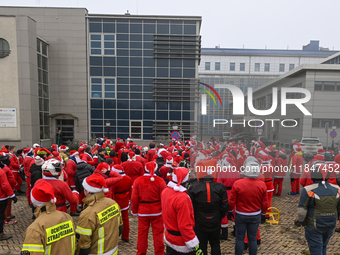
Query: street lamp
x,y
108,123
175,126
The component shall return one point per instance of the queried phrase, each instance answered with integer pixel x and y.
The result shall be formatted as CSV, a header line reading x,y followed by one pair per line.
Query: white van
x,y
225,136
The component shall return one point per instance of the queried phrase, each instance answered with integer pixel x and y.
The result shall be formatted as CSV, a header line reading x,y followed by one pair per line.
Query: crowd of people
x,y
187,192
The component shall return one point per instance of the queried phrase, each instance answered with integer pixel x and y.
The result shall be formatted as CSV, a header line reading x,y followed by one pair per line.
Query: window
x,y
257,67
4,48
217,66
103,44
242,66
291,66
136,129
43,87
266,67
329,86
318,85
282,68
207,65
232,67
103,87
326,86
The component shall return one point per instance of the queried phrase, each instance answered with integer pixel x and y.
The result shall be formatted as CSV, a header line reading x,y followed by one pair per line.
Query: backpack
x,y
83,170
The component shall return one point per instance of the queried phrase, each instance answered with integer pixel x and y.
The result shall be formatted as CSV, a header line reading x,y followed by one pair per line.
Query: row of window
x,y
320,123
242,67
326,86
150,28
134,114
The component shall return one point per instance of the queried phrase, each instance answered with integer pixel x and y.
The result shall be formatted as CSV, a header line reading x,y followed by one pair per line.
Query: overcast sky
x,y
256,24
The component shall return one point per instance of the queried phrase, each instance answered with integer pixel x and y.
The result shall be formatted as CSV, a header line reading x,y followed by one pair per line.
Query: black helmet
x,y
308,156
4,156
319,170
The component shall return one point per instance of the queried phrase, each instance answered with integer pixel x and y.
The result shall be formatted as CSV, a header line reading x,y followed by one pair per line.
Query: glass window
x,y
95,27
122,61
122,28
110,104
189,30
148,45
338,86
217,66
175,72
291,66
148,37
257,67
148,53
136,52
149,62
176,29
136,104
178,63
329,86
136,115
136,28
189,63
108,27
136,45
315,123
282,68
96,114
162,115
207,65
318,85
266,67
109,61
136,129
162,28
109,71
175,106
109,114
242,66
149,72
124,115
162,62
149,28
135,95
149,104
175,115
189,73
162,105
136,72
162,72
96,61
122,71
232,67
150,115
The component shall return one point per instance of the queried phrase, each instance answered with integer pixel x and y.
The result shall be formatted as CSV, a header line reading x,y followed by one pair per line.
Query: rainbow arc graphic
x,y
209,93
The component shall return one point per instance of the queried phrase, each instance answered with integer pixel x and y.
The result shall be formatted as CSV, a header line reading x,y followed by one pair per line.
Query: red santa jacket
x,y
178,217
92,160
164,170
228,177
14,166
71,170
10,177
297,163
268,170
146,196
6,190
62,192
150,154
333,169
305,178
121,192
110,180
133,169
140,159
337,158
240,162
249,196
27,164
281,168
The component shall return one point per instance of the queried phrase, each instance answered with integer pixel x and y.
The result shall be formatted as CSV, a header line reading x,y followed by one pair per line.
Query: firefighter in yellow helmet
x,y
53,232
100,223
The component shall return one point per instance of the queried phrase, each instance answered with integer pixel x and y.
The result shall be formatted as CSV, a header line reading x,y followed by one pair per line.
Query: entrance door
x,y
67,130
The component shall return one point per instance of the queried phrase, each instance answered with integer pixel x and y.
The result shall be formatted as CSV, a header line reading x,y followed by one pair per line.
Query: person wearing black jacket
x,y
83,170
101,155
35,170
210,203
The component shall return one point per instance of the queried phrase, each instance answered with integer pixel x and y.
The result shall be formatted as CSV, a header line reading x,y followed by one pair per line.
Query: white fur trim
x,y
224,225
90,188
173,185
38,203
117,170
76,153
174,178
182,249
192,243
152,179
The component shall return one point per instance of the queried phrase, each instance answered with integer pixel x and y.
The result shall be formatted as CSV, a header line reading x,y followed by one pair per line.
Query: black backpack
x,y
83,170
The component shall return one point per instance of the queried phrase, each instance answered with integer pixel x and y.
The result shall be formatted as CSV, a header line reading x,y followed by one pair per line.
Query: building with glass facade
x,y
96,75
246,68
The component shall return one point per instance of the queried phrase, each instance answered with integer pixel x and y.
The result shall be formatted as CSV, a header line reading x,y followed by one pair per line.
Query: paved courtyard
x,y
284,238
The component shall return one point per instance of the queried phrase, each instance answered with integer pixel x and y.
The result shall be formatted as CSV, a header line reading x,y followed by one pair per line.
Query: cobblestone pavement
x,y
284,238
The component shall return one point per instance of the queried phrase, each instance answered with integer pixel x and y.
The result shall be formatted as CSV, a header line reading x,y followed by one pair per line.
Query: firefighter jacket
x,y
98,226
64,156
53,232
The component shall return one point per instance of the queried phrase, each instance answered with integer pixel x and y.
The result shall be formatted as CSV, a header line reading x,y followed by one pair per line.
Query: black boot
x,y
245,247
233,232
224,235
258,242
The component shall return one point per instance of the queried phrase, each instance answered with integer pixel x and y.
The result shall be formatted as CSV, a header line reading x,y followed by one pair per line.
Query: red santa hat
x,y
56,155
151,167
321,151
74,153
180,175
54,147
27,150
296,145
42,193
332,152
161,144
102,166
282,151
208,152
246,153
38,161
298,149
265,159
63,148
4,149
43,151
169,160
129,139
95,183
263,153
132,155
118,168
242,152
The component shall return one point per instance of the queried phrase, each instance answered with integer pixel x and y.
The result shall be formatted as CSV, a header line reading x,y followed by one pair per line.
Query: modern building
x,y
92,75
322,80
246,68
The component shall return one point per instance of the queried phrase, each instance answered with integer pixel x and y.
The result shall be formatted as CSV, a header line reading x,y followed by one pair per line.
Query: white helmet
x,y
251,167
51,168
35,145
145,149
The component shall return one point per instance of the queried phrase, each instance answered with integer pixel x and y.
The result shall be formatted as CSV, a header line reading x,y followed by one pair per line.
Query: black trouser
x,y
212,237
170,251
3,206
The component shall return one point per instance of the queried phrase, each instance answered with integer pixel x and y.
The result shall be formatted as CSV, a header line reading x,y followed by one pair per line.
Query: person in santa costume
x,y
14,166
51,170
178,216
121,193
89,158
164,170
305,178
146,203
29,157
139,157
296,171
63,155
132,168
268,170
71,167
280,172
